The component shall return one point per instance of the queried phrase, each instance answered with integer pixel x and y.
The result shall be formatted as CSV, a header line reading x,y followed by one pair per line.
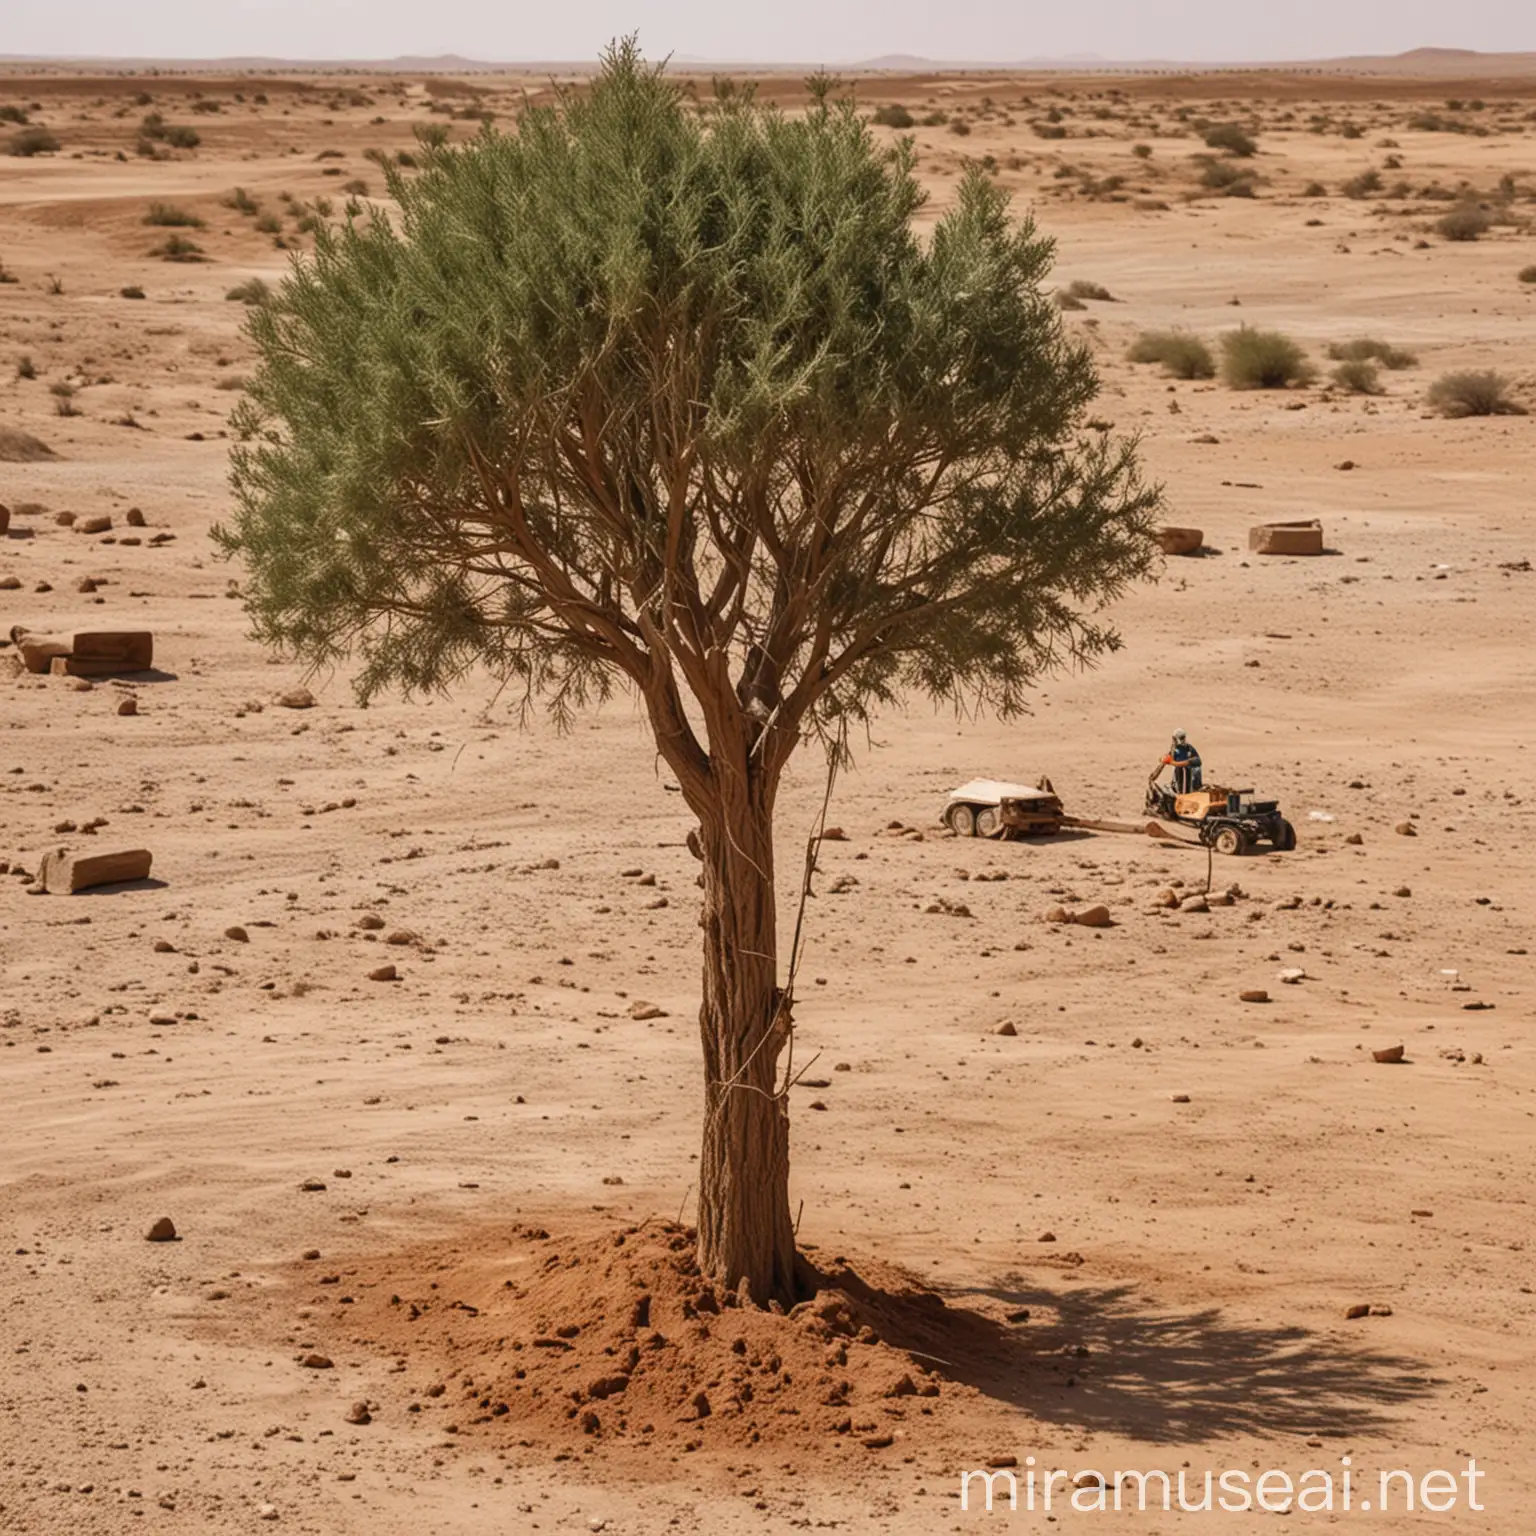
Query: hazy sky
x,y
829,31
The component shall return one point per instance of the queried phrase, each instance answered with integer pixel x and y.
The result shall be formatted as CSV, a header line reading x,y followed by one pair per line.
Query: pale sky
x,y
811,31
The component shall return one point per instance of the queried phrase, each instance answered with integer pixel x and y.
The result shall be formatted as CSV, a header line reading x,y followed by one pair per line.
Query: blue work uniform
x,y
1186,768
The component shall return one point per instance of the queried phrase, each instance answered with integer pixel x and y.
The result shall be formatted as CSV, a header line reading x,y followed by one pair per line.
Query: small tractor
x,y
1228,820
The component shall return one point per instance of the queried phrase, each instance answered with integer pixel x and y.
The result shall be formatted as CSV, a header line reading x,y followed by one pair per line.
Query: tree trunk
x,y
745,1231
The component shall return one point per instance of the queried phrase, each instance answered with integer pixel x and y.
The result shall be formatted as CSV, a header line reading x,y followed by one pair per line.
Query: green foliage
x,y
1254,359
1371,349
155,130
687,400
893,116
33,141
169,216
269,224
10,114
1466,221
1232,139
1228,179
1358,376
242,202
1367,184
1182,355
1476,392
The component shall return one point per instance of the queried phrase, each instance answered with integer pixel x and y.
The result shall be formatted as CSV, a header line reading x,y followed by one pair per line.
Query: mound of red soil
x,y
617,1340
18,447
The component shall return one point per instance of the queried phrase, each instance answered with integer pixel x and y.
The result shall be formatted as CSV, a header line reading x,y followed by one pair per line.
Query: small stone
x,y
237,934
358,1414
642,1010
100,524
1179,1098
314,1362
1403,890
1360,1309
1406,829
128,706
1354,840
310,1186
297,698
266,1511
163,1231
1253,995
1380,1309
1293,975
1194,904
370,922
1006,1028
1046,1237
1167,897
1388,1055
1057,915
384,973
1093,917
135,518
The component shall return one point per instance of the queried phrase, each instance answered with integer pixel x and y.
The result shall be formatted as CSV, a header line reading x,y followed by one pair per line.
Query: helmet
x,y
1179,736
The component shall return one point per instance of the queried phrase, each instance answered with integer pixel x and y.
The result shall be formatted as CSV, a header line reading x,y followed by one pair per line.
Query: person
x,y
1185,761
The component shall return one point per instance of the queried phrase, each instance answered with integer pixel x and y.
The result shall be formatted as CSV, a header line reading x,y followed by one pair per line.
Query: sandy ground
x,y
1220,1181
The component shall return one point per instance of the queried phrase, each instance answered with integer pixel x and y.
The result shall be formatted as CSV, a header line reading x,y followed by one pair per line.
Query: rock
x,y
297,698
128,706
1354,840
135,518
1360,1309
1005,1028
370,922
99,524
64,519
358,1414
402,937
314,1362
1388,1054
1167,897
1345,464
1180,541
1194,904
163,1231
1179,1098
62,873
237,934
1057,915
5,518
1406,829
1093,917
834,835
312,1186
1298,538
641,1010
1380,1309
1293,975
1253,995
1046,1237
384,973
266,1511
1403,890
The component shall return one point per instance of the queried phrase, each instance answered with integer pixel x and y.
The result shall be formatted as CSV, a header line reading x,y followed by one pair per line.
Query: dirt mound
x,y
616,1342
18,447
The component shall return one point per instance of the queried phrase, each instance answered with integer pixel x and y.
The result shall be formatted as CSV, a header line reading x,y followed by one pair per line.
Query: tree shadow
x,y
1106,1358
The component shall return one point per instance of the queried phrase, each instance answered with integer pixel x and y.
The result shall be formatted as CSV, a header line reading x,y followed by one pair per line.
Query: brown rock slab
x,y
1093,917
64,874
358,1414
99,524
1180,541
1388,1055
162,1231
384,973
1253,995
1299,538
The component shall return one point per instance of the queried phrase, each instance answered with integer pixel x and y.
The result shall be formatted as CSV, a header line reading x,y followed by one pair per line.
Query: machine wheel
x,y
962,820
1230,840
1284,839
988,821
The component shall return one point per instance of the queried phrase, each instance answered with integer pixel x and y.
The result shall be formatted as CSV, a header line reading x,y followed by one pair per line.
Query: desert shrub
x,y
1065,300
357,187
269,224
894,116
55,284
178,248
1314,189
1359,376
1142,151
1228,179
64,399
1370,349
6,275
1182,355
168,216
1254,359
407,161
132,291
1231,138
206,104
33,141
242,202
181,137
1366,184
1079,289
25,367
1049,130
960,127
252,291
1466,221
1476,392
1528,274
1351,131
10,114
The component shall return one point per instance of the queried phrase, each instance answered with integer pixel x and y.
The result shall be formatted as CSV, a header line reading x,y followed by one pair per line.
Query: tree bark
x,y
745,1230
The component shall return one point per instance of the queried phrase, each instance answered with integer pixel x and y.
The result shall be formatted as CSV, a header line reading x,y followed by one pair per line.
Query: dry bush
x,y
1371,349
1366,184
64,398
253,291
1080,289
169,216
1231,138
33,141
1182,355
894,116
1254,359
242,202
1228,179
1314,189
1359,376
178,248
25,367
1465,222
132,291
1475,392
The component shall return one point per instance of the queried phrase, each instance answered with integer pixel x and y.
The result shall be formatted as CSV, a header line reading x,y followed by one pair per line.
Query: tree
x,y
677,398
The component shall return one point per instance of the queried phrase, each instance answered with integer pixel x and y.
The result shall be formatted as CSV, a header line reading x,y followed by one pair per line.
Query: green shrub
x,y
168,216
10,114
252,291
1476,392
1228,179
33,141
64,399
178,248
1366,184
1182,355
1466,221
1359,376
894,116
1232,139
1254,359
269,224
1370,349
242,202
25,367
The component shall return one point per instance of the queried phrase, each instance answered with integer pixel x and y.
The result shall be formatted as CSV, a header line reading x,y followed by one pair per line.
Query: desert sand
x,y
1185,1193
